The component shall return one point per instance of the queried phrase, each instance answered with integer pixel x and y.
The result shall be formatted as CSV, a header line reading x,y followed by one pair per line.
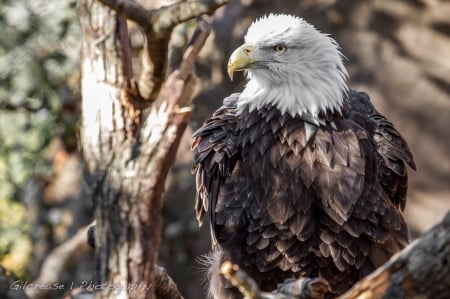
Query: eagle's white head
x,y
290,65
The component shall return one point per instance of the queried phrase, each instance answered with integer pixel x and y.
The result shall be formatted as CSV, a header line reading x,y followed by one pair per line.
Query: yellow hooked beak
x,y
240,59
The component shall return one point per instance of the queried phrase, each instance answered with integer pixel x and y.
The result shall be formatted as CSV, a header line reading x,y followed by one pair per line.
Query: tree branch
x,y
132,10
157,26
241,280
58,260
303,288
165,287
180,91
166,18
161,21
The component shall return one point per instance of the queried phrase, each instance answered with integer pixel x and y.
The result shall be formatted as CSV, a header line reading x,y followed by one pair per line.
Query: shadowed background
x,y
397,51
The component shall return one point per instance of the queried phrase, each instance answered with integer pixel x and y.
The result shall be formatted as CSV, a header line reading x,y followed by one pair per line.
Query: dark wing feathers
x,y
393,153
214,157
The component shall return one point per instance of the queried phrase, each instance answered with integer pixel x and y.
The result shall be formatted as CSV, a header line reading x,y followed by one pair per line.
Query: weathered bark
x,y
421,270
128,149
165,287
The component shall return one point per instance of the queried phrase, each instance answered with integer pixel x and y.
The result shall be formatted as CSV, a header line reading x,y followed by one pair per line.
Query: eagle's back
x,y
287,198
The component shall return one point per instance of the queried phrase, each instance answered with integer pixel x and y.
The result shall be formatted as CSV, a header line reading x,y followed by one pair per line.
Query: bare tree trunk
x,y
129,141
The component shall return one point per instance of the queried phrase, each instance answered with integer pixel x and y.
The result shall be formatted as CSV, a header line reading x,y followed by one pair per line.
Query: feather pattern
x,y
287,198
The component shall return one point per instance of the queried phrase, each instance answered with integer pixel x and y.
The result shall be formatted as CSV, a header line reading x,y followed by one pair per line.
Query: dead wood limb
x,y
421,270
165,287
161,21
57,261
241,280
303,288
157,26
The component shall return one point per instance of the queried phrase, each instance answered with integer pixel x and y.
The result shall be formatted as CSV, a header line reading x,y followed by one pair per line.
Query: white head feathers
x,y
298,69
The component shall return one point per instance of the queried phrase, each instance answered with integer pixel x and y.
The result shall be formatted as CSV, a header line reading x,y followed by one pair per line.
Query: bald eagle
x,y
298,174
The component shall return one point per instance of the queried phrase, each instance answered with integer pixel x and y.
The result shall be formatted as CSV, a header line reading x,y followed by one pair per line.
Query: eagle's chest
x,y
266,208
269,182
273,146
265,211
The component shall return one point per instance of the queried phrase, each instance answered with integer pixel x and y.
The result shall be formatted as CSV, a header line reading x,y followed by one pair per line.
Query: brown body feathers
x,y
287,198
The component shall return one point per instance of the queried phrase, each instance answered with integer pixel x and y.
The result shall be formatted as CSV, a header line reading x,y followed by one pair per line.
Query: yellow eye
x,y
279,48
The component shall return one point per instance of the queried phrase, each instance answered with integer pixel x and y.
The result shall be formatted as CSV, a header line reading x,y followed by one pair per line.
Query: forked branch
x,y
157,26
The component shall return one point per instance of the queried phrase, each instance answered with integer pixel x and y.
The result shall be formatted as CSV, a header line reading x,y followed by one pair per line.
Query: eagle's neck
x,y
302,94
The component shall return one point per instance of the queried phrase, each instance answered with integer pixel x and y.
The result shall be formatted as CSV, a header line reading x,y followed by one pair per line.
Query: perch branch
x,y
303,288
158,25
241,280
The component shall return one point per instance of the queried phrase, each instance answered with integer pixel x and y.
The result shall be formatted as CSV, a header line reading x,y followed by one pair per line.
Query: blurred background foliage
x,y
397,51
39,93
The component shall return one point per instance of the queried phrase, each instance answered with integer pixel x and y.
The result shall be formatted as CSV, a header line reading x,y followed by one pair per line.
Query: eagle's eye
x,y
279,48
